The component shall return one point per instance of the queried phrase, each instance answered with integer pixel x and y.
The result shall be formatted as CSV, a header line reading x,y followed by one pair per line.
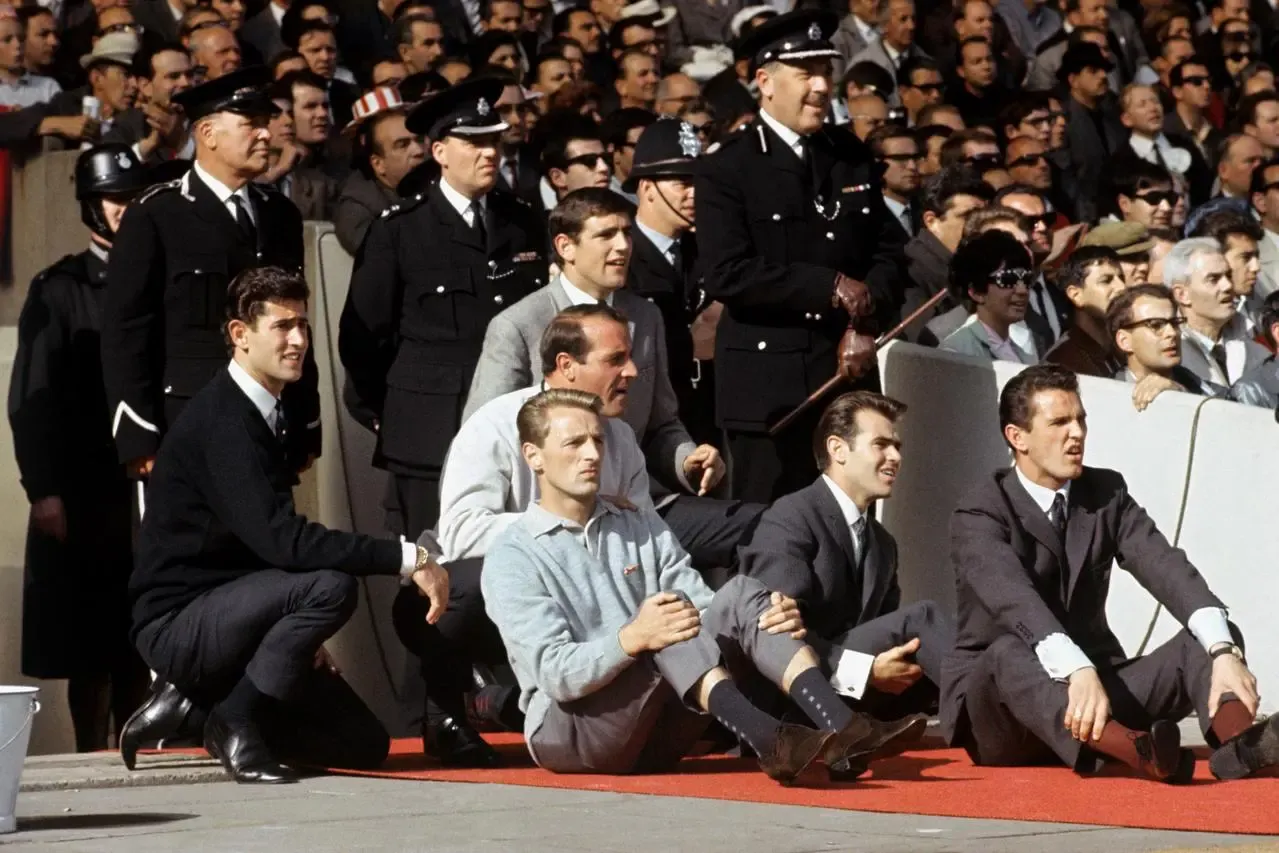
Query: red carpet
x,y
938,782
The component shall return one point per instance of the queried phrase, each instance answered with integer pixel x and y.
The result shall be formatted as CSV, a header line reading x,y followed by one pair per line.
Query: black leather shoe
x,y
244,754
866,738
1255,749
166,715
455,744
1161,754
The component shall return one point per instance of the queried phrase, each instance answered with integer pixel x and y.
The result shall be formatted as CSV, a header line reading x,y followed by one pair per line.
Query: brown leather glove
x,y
851,295
856,354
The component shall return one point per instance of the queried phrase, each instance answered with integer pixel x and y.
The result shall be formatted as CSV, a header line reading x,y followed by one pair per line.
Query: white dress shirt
x,y
901,210
1176,159
865,30
852,673
463,205
277,11
577,296
663,243
792,139
225,193
1060,656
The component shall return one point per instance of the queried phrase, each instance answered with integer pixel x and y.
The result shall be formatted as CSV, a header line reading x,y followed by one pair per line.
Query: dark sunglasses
x,y
903,158
1008,279
1239,55
1157,324
984,162
929,88
1155,197
1196,80
1045,219
1027,160
587,160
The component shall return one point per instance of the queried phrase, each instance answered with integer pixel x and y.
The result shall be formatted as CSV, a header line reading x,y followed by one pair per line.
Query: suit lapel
x,y
1081,522
829,509
1032,518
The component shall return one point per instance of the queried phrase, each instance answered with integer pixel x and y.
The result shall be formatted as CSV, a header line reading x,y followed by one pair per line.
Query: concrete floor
x,y
346,815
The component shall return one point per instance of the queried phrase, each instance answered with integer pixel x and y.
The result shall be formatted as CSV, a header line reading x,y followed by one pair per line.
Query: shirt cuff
x,y
1208,625
852,673
1060,657
408,558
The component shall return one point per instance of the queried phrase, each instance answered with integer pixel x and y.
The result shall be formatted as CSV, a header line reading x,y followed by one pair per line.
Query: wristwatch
x,y
423,558
1229,649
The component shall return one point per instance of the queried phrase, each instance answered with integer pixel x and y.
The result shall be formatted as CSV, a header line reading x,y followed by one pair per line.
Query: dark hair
x,y
251,290
419,85
941,188
564,334
908,68
1258,183
402,29
558,129
293,25
927,132
308,26
570,215
282,57
952,150
1074,272
1224,223
1019,108
280,90
143,60
840,419
868,74
928,113
304,77
971,40
1017,399
992,216
535,67
1128,177
27,13
1269,316
1023,189
633,52
556,44
1246,112
425,9
486,44
1177,76
877,137
563,20
533,421
619,29
621,122
1119,312
980,256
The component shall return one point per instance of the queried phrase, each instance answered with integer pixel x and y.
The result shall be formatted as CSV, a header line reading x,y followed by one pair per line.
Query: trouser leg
x,y
326,725
411,504
767,467
710,530
733,618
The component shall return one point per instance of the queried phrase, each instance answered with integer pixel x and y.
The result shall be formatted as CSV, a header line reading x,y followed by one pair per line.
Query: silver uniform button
x,y
865,210
492,265
808,315
830,235
817,317
439,289
777,217
762,345
498,299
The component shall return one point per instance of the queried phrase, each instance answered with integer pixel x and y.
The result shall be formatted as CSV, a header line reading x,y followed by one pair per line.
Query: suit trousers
x,y
644,720
1016,712
412,503
710,530
767,467
269,625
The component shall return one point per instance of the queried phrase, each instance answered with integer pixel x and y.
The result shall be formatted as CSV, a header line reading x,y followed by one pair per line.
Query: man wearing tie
x,y
897,151
178,247
821,547
1036,671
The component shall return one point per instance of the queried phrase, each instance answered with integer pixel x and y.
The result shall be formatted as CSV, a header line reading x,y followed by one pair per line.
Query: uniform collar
x,y
220,190
1043,497
660,241
263,400
792,139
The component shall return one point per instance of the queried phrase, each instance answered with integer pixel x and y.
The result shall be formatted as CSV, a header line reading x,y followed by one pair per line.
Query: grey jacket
x,y
510,360
968,339
360,202
1259,386
849,42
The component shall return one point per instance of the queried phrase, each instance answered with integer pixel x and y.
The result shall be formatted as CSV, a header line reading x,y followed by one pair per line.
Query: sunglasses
x,y
1157,197
1047,220
984,162
1009,279
1196,80
1239,56
1157,324
903,158
587,160
930,88
1027,160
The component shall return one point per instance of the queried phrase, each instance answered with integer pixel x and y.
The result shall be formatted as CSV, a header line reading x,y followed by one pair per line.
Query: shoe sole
x,y
1170,758
893,744
1239,759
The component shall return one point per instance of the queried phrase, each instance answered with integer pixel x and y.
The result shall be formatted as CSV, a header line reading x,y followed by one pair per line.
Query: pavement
x,y
91,804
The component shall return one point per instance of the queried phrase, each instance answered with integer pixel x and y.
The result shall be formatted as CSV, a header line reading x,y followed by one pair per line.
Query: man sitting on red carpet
x,y
615,638
1036,670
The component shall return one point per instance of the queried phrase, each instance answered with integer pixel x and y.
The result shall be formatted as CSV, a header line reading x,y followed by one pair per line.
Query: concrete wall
x,y
46,223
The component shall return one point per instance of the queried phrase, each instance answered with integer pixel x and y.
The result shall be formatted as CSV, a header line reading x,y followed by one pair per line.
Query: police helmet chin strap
x,y
658,186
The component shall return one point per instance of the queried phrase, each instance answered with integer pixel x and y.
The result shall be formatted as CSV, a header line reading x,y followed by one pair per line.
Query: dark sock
x,y
500,704
819,701
241,703
1232,719
444,704
743,719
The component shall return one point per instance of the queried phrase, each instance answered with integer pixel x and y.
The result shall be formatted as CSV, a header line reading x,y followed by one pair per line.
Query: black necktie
x,y
1057,515
859,540
477,222
243,220
1219,356
281,423
674,253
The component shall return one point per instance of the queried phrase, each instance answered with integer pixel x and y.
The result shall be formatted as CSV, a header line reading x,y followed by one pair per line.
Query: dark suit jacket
x,y
1090,152
803,547
314,193
156,17
527,178
1078,351
263,34
360,201
1012,575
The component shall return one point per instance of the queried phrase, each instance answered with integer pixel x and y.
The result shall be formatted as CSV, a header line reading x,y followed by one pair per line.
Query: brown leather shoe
x,y
866,738
1161,755
795,748
1250,752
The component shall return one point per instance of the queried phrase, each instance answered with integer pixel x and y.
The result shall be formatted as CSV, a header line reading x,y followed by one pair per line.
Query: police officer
x,y
75,606
430,275
178,248
795,241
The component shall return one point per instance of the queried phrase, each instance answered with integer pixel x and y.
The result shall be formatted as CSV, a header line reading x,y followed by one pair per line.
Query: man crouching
x,y
615,639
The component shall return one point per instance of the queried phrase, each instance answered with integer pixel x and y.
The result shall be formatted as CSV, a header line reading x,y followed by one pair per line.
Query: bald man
x,y
216,49
867,112
674,92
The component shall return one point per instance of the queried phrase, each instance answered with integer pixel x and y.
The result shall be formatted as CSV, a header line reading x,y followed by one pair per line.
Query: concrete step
x,y
107,770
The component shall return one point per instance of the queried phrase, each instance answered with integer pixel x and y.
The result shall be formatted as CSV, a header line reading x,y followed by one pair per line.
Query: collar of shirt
x,y
224,193
176,13
865,30
896,208
788,136
1005,348
540,522
851,513
98,251
577,296
461,203
893,54
661,241
263,400
616,186
277,11
1042,496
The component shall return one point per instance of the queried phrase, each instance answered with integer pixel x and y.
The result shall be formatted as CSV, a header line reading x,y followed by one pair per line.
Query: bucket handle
x,y
31,712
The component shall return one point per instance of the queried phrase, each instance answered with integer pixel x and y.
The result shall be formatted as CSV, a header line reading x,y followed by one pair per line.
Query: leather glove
x,y
856,354
851,295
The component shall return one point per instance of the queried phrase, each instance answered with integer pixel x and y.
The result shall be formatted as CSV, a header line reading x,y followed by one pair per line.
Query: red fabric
x,y
940,782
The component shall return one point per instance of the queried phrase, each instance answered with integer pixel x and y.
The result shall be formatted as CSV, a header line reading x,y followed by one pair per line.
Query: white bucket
x,y
18,706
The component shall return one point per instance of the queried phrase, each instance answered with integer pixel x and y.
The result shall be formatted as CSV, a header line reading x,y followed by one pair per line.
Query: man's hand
x,y
663,620
1088,706
432,582
163,121
323,660
50,517
140,467
1231,675
706,465
290,156
851,295
1149,387
783,617
856,354
893,671
75,128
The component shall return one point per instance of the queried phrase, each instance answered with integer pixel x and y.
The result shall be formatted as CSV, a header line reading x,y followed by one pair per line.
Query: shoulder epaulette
x,y
157,189
71,265
404,206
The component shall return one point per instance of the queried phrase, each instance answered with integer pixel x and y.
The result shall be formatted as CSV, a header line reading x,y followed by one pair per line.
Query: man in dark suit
x,y
177,249
1036,670
158,131
821,547
233,592
897,151
262,31
796,265
1094,130
517,168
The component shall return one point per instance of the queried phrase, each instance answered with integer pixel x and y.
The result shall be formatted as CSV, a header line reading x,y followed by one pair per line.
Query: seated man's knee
x,y
333,590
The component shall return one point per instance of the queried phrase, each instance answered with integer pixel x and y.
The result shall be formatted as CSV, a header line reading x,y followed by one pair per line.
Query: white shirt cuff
x,y
1060,657
852,674
408,558
1208,625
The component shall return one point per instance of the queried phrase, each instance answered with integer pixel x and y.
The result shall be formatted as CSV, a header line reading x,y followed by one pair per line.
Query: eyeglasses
x,y
903,158
1047,220
984,162
1196,80
1154,198
135,29
587,160
928,88
1239,55
1027,160
1156,324
1007,279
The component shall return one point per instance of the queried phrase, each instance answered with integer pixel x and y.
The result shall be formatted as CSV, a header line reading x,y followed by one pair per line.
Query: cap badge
x,y
483,107
124,161
244,90
814,31
688,141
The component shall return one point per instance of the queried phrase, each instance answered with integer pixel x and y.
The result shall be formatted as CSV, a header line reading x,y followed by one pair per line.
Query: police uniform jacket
x,y
176,252
773,230
424,289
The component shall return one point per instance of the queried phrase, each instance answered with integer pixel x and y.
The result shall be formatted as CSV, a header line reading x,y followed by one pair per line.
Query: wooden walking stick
x,y
834,381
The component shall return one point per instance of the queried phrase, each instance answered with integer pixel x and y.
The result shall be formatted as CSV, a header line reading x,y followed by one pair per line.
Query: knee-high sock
x,y
746,721
819,701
